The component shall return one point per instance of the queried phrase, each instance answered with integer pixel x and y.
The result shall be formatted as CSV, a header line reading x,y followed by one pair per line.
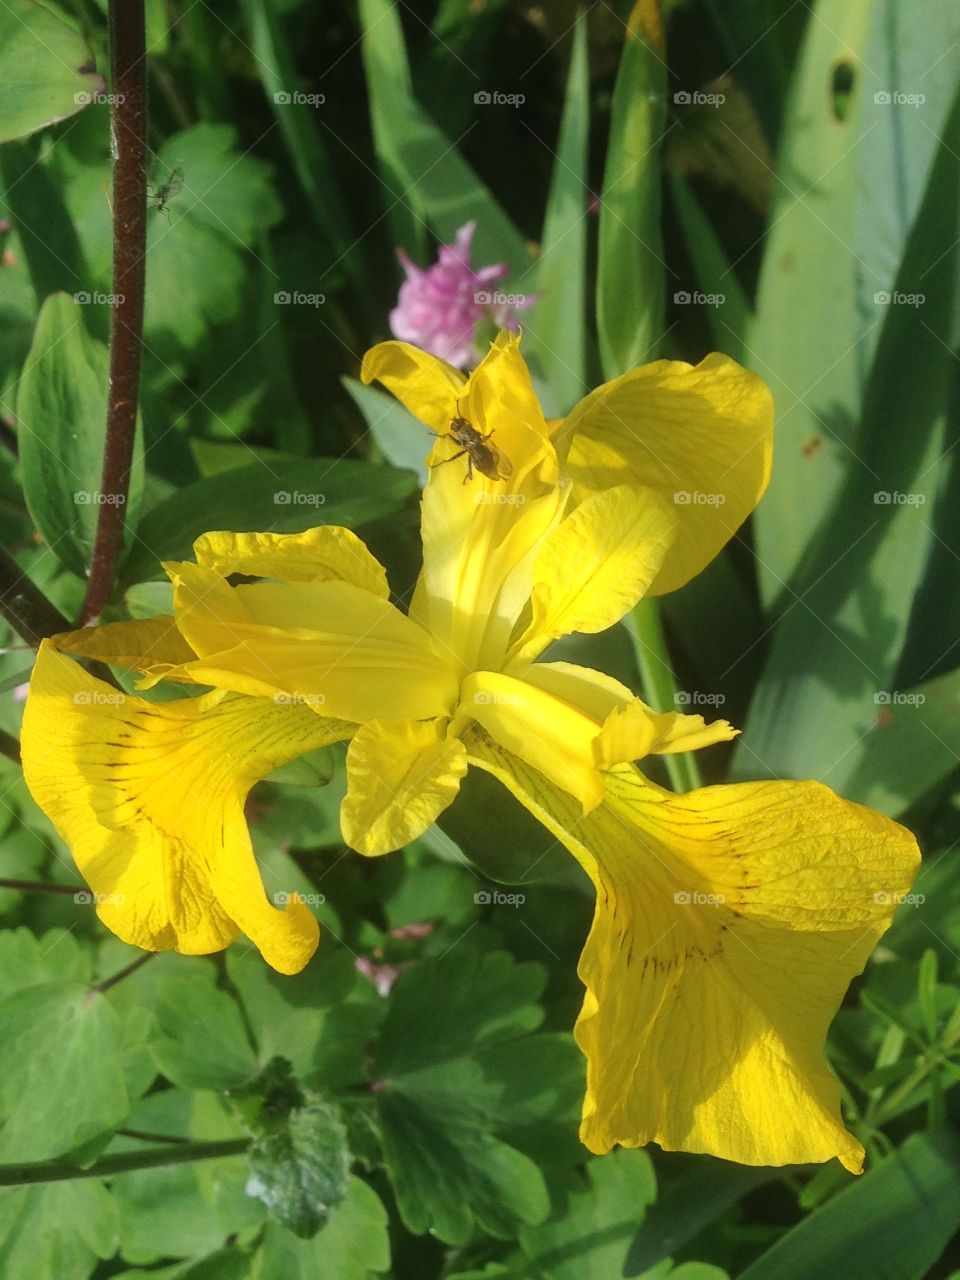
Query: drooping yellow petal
x,y
149,797
331,645
595,565
728,925
328,553
151,645
401,775
635,730
425,384
700,435
547,732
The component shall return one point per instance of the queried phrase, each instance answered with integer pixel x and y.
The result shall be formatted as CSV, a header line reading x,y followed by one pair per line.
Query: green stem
x,y
659,683
13,1175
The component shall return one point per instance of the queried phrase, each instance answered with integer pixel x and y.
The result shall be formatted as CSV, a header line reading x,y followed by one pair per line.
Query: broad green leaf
x,y
43,243
61,420
399,436
46,69
589,1237
693,1191
421,167
893,1222
730,315
836,648
28,959
59,1229
436,1104
809,285
910,747
195,263
352,1245
201,1042
557,328
850,188
283,498
182,1210
60,1078
287,1015
631,267
300,1169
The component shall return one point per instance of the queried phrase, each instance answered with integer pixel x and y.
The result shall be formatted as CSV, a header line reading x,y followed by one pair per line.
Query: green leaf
x,y
836,649
849,192
399,436
693,1192
927,993
201,1041
437,1104
589,1238
283,498
61,412
420,166
300,1170
195,263
557,330
27,960
58,1229
61,1083
273,50
630,271
352,1244
893,1222
287,1015
46,69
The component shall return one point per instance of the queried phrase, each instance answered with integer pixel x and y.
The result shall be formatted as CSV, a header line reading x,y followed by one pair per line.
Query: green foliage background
x,y
818,202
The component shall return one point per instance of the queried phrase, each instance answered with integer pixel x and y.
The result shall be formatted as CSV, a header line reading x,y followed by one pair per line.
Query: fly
x,y
478,449
162,195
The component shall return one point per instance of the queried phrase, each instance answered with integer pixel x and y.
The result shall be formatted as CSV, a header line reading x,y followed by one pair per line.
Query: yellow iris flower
x,y
729,921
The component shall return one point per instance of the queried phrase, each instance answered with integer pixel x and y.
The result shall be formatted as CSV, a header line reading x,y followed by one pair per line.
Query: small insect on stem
x,y
162,195
478,449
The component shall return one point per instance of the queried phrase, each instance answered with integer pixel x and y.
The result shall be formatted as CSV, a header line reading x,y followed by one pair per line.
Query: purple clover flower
x,y
441,307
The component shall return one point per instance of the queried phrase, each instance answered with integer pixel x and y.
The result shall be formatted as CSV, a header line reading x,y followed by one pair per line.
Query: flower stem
x,y
659,683
129,127
125,973
24,606
12,1175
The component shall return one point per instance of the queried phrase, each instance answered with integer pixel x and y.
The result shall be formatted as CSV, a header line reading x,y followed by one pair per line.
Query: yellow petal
x,y
401,775
595,565
330,645
547,732
480,538
325,554
152,645
635,730
700,435
426,385
149,797
728,925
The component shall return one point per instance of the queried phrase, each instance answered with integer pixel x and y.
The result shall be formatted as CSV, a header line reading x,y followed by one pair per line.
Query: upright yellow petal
x,y
702,436
149,797
595,565
425,384
401,775
728,925
331,645
325,554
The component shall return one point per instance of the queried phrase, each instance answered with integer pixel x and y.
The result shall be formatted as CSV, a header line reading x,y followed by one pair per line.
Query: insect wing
x,y
173,186
502,466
